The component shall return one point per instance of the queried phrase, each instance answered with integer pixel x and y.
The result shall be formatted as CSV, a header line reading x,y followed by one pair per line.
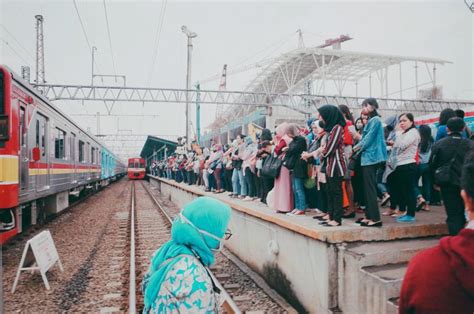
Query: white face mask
x,y
220,240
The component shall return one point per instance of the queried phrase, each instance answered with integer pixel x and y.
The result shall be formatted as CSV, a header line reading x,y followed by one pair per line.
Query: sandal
x,y
389,212
332,223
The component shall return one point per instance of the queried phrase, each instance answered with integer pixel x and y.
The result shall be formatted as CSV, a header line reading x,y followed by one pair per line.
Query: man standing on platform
x,y
447,158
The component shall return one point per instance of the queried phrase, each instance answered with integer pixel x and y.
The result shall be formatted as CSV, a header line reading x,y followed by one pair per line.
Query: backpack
x,y
449,173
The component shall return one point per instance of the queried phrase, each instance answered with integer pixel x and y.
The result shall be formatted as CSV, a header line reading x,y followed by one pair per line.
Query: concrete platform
x,y
320,269
428,223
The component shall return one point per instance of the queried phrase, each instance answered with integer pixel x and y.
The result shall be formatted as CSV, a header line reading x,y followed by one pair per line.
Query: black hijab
x,y
266,135
331,116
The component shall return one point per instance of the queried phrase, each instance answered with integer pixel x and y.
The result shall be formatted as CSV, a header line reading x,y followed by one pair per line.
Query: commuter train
x,y
44,157
432,120
136,168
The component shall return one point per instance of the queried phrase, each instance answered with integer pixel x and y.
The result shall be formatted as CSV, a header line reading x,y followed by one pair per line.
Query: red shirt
x,y
441,279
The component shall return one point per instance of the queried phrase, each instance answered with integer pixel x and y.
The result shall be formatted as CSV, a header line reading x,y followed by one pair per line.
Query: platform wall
x,y
303,270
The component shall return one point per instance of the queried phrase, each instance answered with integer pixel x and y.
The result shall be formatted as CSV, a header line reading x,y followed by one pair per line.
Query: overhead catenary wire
x,y
84,31
110,38
157,40
241,66
18,42
15,52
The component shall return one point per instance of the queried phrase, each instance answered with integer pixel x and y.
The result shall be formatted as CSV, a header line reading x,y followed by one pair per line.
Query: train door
x,y
23,150
42,165
73,157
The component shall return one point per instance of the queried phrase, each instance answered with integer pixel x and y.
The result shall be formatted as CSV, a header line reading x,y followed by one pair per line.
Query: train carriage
x,y
136,168
44,157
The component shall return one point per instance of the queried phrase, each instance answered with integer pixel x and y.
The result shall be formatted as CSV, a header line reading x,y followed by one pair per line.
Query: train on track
x,y
45,157
136,168
432,120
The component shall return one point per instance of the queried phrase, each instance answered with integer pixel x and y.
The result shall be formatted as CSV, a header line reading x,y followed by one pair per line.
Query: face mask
x,y
221,244
466,215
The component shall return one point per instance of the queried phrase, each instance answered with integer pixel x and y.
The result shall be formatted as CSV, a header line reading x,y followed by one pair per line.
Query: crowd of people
x,y
338,167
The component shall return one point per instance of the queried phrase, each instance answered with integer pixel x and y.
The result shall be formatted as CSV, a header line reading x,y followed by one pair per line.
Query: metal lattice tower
x,y
222,87
40,78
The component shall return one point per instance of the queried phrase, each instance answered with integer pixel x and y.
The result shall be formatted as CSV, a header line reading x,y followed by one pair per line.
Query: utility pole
x,y
40,79
198,113
190,35
94,49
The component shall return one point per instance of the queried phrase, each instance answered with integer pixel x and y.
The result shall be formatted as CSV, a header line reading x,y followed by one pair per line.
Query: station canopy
x,y
157,147
288,72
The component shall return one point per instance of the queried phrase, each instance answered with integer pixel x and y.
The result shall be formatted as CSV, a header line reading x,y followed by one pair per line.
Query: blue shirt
x,y
372,144
443,132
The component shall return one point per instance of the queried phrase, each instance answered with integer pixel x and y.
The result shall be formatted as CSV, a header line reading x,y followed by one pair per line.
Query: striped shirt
x,y
333,153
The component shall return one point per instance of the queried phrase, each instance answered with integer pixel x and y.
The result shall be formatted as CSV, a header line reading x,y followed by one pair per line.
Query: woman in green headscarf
x,y
177,280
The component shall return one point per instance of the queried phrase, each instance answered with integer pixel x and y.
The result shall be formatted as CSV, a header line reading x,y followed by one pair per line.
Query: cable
x,y
157,39
84,31
14,51
19,44
110,38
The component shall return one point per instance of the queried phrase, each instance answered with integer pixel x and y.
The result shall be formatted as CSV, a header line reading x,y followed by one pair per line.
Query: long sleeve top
x,y
333,153
372,143
187,288
406,146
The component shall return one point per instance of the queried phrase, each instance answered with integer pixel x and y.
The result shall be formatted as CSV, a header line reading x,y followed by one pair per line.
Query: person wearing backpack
x,y
447,158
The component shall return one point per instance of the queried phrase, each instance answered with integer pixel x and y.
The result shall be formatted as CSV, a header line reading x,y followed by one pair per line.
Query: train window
x,y
81,151
2,93
3,128
88,148
37,135
93,155
59,142
72,147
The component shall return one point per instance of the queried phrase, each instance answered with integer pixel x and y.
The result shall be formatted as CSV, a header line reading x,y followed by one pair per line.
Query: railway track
x,y
153,218
105,261
150,228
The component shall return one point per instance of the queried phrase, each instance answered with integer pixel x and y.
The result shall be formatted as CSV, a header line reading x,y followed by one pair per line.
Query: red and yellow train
x,y
136,168
45,157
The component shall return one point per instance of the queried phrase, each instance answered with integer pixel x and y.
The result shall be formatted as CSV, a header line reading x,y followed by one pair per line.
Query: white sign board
x,y
39,254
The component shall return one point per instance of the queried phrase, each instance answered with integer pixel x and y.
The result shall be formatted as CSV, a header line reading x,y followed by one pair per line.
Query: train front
x,y
9,167
136,168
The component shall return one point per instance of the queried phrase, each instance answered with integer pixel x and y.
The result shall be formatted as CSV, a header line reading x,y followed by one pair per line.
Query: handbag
x,y
354,160
271,167
213,165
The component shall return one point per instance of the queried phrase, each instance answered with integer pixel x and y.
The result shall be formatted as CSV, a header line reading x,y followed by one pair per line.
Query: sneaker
x,y
247,198
385,199
406,218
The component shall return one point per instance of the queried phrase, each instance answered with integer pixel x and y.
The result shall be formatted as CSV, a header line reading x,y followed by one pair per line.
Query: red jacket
x,y
441,279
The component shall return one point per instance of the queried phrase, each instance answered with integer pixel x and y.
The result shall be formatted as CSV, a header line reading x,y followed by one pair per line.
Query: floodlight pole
x,y
190,35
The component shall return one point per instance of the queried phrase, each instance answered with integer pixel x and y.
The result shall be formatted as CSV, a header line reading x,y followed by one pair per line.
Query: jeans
x,y
424,173
250,182
298,191
381,187
237,179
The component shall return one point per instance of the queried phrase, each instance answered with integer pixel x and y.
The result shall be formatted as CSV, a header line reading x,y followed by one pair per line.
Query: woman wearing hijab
x,y
333,159
283,193
178,279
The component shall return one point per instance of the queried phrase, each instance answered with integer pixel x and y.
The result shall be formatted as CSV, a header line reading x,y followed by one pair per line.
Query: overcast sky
x,y
229,32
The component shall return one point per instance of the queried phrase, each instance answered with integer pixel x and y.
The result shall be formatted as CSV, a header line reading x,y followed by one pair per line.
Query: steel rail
x,y
132,297
228,304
